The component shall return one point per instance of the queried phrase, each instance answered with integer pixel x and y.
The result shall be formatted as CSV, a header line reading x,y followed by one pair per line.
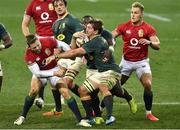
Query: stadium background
x,y
163,15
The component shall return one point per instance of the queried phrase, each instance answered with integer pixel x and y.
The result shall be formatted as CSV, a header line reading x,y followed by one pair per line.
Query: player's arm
x,y
72,53
77,39
34,68
115,33
63,45
68,54
25,24
153,42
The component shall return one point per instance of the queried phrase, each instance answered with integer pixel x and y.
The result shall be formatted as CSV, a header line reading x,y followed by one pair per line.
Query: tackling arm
x,y
66,55
63,45
34,68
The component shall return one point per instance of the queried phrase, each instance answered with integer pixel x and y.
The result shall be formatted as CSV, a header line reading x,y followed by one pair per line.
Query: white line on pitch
x,y
92,0
154,16
163,103
156,103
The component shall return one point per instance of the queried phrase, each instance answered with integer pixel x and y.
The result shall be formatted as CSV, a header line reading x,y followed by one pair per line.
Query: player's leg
x,y
145,77
104,81
95,98
57,111
86,101
41,93
35,86
118,91
148,96
71,102
39,101
71,74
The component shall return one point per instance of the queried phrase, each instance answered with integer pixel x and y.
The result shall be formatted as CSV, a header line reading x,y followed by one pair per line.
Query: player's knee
x,y
147,84
33,92
82,91
65,93
69,82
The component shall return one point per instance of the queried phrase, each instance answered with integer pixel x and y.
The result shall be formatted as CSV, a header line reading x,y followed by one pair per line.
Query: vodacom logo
x,y
134,41
44,16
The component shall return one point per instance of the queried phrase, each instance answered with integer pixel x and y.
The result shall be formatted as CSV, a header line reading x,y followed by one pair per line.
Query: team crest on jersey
x,y
37,59
38,8
50,6
140,33
47,51
61,37
128,32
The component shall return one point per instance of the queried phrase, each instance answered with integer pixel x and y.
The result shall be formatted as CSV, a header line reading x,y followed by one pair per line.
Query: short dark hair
x,y
85,19
64,1
97,25
30,39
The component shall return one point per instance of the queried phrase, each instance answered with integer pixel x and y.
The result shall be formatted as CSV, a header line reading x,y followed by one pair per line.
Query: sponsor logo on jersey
x,y
50,6
38,8
140,33
47,51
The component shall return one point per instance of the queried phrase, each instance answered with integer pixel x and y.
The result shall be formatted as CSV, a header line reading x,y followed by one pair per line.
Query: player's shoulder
x,y
2,26
147,25
48,42
28,54
106,32
124,25
72,18
127,23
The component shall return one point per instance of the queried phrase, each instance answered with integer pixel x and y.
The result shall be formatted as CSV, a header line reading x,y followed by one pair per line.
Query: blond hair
x,y
138,5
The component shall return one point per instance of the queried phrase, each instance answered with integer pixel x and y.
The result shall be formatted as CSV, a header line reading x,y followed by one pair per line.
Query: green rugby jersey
x,y
3,31
95,49
108,37
63,29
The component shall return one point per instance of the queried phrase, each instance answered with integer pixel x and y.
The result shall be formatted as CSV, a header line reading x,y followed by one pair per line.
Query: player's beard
x,y
37,51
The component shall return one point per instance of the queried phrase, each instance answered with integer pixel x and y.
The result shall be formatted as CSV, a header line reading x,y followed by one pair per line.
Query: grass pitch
x,y
163,15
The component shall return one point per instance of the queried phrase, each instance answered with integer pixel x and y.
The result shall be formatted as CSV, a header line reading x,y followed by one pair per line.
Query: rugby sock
x,y
74,108
57,100
27,105
126,95
108,102
102,104
75,90
41,92
118,91
148,99
95,106
87,104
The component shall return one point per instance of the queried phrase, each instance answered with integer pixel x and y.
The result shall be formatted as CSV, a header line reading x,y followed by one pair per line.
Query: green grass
x,y
164,63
